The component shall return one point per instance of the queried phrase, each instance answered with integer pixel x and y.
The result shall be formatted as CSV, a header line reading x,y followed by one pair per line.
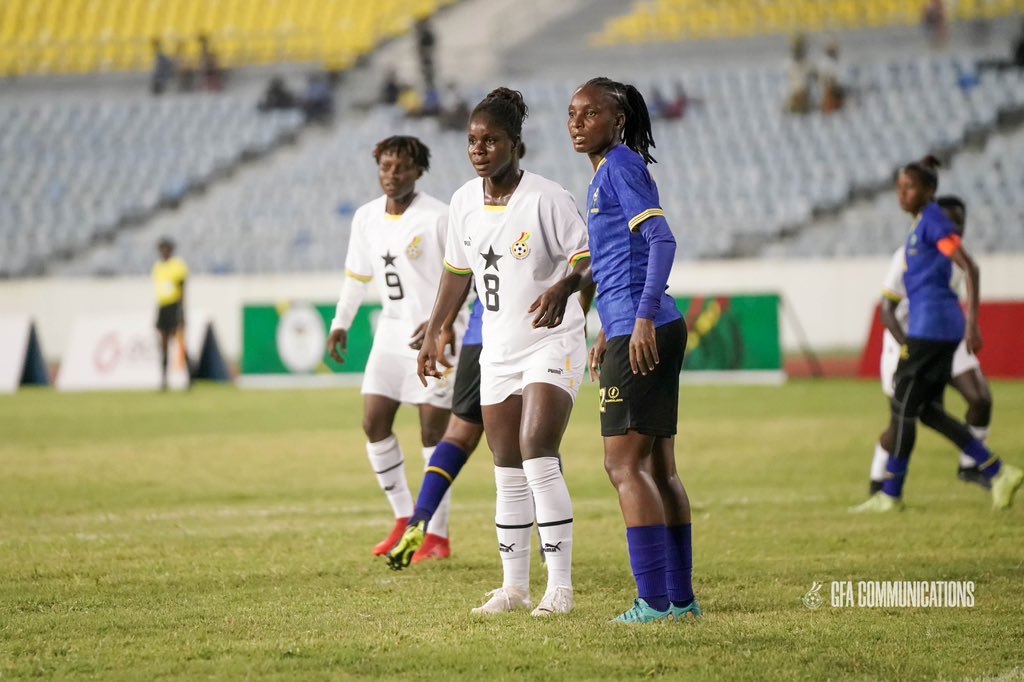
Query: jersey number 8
x,y
491,283
395,284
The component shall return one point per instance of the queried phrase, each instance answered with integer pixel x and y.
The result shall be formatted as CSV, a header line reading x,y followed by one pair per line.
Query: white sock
x,y
389,465
979,432
554,517
513,518
879,463
439,521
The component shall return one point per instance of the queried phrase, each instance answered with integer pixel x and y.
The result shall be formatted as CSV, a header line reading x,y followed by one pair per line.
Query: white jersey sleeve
x,y
895,290
570,230
358,264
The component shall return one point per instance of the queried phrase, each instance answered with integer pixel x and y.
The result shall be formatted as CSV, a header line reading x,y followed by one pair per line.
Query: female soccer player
x,y
397,241
639,351
936,327
518,234
968,379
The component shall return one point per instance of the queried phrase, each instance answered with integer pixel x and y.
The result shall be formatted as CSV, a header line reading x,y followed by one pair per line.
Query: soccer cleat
x,y
973,475
404,551
396,533
434,547
504,600
641,612
878,503
557,599
1005,484
679,612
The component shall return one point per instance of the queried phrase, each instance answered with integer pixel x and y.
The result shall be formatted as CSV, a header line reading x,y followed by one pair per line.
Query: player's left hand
x,y
416,340
446,341
550,306
974,342
643,347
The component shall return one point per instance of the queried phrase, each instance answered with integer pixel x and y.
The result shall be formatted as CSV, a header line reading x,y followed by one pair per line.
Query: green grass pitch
x,y
225,534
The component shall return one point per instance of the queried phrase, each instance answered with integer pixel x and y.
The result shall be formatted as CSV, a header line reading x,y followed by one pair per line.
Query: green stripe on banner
x,y
732,332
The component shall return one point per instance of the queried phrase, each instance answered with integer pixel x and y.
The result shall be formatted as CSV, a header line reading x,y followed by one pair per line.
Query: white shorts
x,y
560,363
393,375
962,362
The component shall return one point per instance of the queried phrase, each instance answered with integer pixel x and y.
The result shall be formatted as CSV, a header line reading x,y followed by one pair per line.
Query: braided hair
x,y
636,134
406,145
508,109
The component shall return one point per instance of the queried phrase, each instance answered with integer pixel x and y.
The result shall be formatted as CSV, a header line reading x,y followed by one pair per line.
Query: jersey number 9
x,y
396,292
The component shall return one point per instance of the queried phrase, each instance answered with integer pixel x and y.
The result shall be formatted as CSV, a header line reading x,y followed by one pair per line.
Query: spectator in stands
x,y
169,275
163,68
318,101
933,20
209,65
425,44
828,79
186,71
277,96
390,89
454,109
798,101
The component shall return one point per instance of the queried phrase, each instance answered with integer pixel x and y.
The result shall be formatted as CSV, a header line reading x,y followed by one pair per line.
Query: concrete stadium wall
x,y
831,300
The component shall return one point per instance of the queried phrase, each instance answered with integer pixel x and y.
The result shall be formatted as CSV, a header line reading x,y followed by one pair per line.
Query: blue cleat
x,y
642,613
679,612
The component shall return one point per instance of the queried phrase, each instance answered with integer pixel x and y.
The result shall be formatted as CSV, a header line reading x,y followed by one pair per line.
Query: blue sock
x,y
647,558
895,474
679,564
988,463
445,465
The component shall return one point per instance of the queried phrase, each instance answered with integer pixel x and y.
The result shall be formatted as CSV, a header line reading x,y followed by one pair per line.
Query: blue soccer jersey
x,y
624,216
474,332
935,312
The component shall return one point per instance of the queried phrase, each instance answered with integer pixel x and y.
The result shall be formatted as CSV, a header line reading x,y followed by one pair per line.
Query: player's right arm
x,y
451,292
358,272
894,291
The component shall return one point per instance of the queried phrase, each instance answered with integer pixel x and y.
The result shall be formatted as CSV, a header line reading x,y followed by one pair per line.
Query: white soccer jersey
x,y
515,253
403,255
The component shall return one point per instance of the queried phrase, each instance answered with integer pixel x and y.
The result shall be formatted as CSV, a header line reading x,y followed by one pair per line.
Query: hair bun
x,y
930,161
513,97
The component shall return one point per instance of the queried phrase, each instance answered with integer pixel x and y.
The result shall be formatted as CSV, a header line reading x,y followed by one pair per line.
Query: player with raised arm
x,y
967,379
639,351
937,325
518,234
397,242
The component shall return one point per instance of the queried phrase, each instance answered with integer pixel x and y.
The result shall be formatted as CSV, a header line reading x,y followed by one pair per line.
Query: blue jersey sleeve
x,y
635,189
936,226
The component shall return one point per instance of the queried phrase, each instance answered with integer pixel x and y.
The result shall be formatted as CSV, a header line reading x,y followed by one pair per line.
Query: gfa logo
x,y
505,548
548,547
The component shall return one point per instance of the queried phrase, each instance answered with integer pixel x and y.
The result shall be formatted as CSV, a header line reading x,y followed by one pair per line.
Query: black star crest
x,y
491,258
388,258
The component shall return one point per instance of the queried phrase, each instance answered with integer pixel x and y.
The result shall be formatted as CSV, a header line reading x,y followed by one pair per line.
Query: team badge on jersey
x,y
594,208
520,249
414,250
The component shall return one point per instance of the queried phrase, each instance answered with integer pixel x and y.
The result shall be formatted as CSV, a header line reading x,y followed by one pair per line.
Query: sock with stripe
x,y
983,457
389,466
979,432
554,517
647,547
513,520
679,564
445,461
438,524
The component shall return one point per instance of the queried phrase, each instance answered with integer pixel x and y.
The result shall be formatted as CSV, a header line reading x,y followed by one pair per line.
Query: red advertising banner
x,y
1002,323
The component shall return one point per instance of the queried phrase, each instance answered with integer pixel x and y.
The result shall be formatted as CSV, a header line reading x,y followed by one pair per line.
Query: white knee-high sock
x,y
554,517
389,466
879,462
439,521
513,518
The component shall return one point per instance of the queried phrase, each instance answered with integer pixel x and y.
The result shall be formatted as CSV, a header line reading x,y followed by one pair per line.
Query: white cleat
x,y
557,599
504,600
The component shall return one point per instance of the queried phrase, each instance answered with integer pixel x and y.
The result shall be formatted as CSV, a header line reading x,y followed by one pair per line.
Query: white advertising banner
x,y
21,361
121,352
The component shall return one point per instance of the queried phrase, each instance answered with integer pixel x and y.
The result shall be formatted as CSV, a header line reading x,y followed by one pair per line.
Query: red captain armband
x,y
949,244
